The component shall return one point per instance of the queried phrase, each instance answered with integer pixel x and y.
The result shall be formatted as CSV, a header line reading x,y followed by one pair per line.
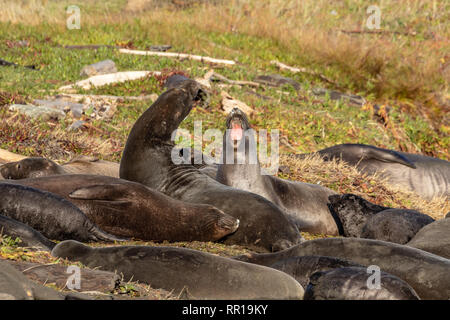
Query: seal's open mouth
x,y
236,129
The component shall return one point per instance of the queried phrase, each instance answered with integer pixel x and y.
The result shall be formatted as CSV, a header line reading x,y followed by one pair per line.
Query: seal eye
x,y
18,166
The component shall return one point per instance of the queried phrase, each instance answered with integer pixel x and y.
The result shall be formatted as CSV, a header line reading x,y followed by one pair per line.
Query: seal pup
x,y
352,283
132,210
205,276
41,167
434,238
53,216
147,159
425,272
362,219
305,203
301,268
28,236
427,176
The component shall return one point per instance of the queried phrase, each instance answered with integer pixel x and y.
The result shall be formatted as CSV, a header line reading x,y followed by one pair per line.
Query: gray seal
x,y
203,275
28,236
147,159
132,210
425,272
427,176
360,218
41,167
434,238
305,203
354,283
53,216
301,268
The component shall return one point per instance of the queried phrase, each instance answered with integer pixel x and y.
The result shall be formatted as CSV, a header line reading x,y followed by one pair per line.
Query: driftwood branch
x,y
6,156
405,33
235,82
178,56
104,79
283,66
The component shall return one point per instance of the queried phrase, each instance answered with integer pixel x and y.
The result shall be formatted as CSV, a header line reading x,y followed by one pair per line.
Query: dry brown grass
x,y
344,178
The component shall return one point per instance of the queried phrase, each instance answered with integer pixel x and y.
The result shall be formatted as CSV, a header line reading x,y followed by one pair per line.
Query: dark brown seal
x,y
130,209
147,159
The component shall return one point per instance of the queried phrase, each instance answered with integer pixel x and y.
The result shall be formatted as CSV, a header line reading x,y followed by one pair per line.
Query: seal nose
x,y
229,222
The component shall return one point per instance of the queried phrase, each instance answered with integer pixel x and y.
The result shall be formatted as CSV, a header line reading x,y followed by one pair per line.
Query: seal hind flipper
x,y
387,156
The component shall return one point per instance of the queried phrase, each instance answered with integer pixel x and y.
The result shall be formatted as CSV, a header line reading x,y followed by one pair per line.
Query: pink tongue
x,y
236,132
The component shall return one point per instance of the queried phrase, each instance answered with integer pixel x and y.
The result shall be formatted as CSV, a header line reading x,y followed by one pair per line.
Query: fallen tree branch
x,y
236,82
178,56
108,97
283,66
6,156
104,79
406,33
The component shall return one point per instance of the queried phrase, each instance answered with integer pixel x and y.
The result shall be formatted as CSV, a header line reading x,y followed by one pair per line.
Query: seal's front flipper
x,y
113,192
388,156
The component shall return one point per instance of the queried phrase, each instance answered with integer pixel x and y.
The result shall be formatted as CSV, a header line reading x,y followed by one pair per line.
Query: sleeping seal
x,y
132,210
434,238
41,167
53,216
427,176
147,159
28,236
205,276
362,219
305,203
351,283
426,273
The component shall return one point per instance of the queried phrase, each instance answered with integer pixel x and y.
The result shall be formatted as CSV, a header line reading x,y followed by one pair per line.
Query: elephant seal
x,y
205,276
147,159
395,225
301,268
53,216
28,236
41,167
305,203
360,218
132,210
434,238
425,272
427,176
353,283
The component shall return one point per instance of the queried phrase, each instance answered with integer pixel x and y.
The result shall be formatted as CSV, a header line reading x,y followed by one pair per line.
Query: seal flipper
x,y
387,156
113,192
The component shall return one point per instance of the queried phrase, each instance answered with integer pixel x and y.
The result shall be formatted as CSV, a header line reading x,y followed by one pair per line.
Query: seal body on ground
x,y
425,272
28,236
360,218
305,203
41,167
301,268
203,275
130,209
53,216
434,238
354,283
395,225
427,176
148,159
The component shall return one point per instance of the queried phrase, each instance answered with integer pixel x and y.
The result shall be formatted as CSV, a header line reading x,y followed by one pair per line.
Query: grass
x,y
409,73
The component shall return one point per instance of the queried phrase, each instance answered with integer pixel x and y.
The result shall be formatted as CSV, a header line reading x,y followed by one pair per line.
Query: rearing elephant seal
x,y
305,203
129,209
205,276
427,176
426,273
53,216
147,159
41,167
